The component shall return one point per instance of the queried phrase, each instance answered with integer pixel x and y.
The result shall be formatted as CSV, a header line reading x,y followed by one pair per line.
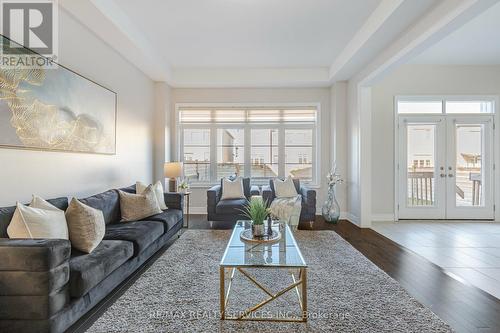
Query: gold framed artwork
x,y
55,109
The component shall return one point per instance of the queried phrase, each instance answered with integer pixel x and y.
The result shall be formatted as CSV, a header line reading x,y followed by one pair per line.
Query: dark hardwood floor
x,y
464,307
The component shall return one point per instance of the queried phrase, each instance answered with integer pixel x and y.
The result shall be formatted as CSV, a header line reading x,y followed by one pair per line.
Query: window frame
x,y
178,146
446,98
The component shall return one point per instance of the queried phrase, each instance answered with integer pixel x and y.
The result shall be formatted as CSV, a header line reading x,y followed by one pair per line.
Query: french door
x,y
445,167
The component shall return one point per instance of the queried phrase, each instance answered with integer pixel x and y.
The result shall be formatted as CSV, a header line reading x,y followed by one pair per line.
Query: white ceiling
x,y
475,43
284,43
249,33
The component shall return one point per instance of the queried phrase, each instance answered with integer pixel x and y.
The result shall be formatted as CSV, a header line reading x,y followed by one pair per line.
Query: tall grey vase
x,y
331,208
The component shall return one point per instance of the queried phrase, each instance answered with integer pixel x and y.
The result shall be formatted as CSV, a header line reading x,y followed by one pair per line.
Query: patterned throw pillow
x,y
86,226
138,206
140,187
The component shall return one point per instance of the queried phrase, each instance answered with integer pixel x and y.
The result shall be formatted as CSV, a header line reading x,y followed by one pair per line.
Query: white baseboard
x,y
382,217
350,217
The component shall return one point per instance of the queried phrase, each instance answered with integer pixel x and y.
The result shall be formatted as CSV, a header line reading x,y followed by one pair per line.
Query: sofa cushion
x,y
170,218
246,184
135,207
87,270
6,213
108,202
141,233
230,206
86,226
128,189
296,183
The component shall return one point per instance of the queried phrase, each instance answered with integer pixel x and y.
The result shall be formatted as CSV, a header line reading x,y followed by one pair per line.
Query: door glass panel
x,y
421,164
469,172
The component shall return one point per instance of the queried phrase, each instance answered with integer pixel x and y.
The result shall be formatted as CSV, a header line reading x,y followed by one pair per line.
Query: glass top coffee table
x,y
283,254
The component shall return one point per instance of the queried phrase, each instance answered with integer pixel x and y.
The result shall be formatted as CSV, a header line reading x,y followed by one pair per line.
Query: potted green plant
x,y
256,211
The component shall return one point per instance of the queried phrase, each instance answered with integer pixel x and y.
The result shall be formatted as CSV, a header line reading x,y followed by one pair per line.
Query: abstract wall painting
x,y
55,109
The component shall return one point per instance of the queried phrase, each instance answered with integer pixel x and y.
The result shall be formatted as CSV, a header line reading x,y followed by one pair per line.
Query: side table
x,y
187,195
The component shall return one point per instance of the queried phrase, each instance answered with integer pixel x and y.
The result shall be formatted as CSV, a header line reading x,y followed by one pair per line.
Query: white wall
x,y
352,182
162,151
51,174
338,140
415,80
248,95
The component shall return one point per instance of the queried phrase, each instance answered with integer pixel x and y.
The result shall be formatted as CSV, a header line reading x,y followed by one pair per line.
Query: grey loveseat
x,y
229,209
308,212
45,286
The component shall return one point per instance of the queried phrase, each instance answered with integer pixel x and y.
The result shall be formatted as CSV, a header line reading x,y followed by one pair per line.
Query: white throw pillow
x,y
284,188
38,202
135,207
140,187
86,226
232,189
30,222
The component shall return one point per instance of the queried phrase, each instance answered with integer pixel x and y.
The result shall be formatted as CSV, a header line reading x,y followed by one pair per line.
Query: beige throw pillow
x,y
33,222
284,188
38,202
140,187
86,226
138,206
232,189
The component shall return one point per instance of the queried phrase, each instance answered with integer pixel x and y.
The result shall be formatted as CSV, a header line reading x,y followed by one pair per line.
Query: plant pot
x,y
258,230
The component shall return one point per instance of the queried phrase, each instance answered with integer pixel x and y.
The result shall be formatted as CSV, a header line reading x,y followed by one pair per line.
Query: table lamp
x,y
172,171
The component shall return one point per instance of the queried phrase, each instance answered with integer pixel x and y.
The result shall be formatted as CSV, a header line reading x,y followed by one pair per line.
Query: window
x,y
265,153
197,154
230,152
261,143
423,105
299,153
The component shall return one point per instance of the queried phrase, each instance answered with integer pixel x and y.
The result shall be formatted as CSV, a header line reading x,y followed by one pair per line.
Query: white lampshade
x,y
173,169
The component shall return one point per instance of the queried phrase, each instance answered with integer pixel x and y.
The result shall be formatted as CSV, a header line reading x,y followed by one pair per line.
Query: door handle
x,y
450,175
443,175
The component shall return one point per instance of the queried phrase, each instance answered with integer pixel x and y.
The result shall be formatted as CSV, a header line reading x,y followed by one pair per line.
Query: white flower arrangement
x,y
334,177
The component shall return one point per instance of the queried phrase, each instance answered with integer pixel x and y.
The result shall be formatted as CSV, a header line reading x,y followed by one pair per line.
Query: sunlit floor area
x,y
467,251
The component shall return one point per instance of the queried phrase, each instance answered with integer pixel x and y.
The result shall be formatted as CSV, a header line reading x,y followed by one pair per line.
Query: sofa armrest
x,y
34,255
267,194
213,197
308,198
254,190
174,200
34,277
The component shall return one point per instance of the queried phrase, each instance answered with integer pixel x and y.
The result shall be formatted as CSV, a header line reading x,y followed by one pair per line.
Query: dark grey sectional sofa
x,y
46,286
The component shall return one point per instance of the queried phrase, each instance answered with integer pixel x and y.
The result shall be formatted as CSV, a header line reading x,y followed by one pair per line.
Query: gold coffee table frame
x,y
298,282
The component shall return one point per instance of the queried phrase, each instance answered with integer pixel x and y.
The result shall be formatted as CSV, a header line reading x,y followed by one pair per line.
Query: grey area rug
x,y
346,292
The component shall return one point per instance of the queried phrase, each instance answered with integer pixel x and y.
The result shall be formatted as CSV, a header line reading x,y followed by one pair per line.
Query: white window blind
x,y
256,142
230,115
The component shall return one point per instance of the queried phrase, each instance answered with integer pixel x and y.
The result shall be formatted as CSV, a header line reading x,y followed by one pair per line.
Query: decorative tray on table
x,y
247,236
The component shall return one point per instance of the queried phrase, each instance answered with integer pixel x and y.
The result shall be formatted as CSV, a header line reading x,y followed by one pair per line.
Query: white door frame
x,y
495,134
437,211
